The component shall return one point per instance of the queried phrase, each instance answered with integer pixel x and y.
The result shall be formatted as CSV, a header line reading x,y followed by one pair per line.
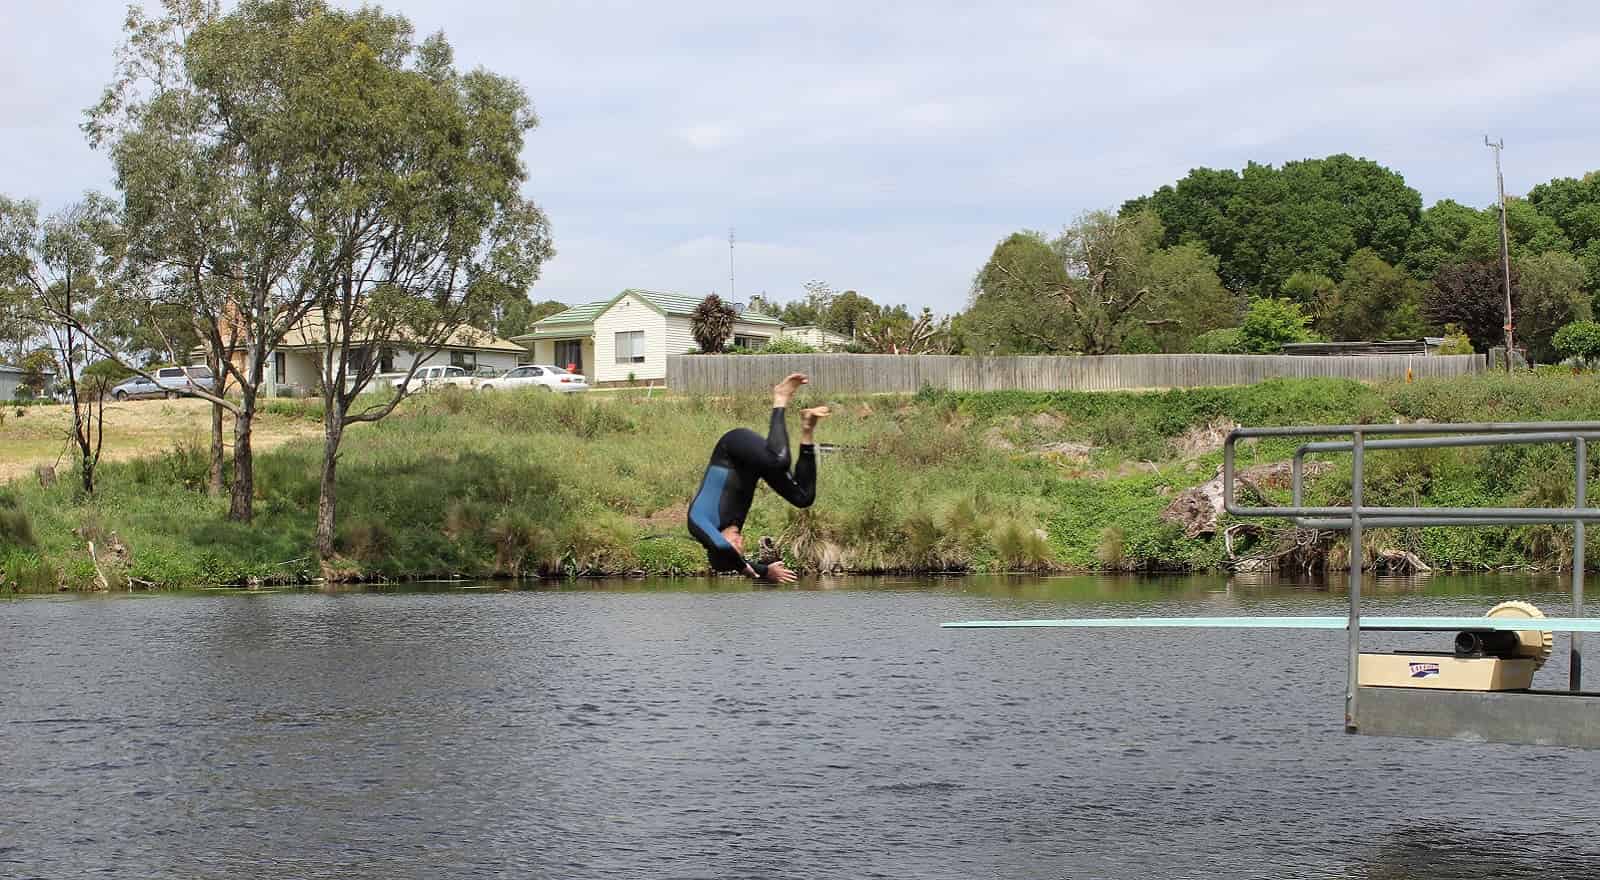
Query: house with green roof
x,y
630,335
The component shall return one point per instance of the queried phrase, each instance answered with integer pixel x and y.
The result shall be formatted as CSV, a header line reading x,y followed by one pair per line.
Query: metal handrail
x,y
1358,516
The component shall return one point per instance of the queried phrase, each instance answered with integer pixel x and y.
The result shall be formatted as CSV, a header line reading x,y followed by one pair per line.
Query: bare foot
x,y
784,390
810,417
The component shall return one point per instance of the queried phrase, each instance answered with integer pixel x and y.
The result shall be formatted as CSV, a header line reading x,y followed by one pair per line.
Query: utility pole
x,y
731,296
1505,247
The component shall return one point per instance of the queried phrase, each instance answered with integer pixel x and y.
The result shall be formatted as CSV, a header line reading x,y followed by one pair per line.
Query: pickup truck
x,y
170,382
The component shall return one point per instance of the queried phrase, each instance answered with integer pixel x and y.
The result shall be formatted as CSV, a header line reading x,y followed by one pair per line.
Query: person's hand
x,y
779,573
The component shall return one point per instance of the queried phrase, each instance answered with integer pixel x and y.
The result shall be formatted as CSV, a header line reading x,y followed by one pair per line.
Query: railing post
x,y
1575,669
1297,480
1357,480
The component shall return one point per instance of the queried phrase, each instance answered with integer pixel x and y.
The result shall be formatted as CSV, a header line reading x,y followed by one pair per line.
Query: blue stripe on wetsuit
x,y
706,510
705,521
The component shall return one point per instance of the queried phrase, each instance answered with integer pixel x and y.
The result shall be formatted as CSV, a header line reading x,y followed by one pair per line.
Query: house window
x,y
569,354
630,347
386,359
466,360
750,342
280,369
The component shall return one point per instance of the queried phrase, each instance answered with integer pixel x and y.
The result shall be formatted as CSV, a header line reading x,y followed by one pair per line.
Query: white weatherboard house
x,y
629,336
294,367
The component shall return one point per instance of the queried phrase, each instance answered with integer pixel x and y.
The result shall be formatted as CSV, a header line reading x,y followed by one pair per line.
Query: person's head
x,y
735,537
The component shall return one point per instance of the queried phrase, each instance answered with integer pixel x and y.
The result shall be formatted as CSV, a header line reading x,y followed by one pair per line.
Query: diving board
x,y
1395,624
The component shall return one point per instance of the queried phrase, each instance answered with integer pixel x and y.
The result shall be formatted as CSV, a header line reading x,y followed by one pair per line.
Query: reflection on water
x,y
709,729
1064,588
1435,852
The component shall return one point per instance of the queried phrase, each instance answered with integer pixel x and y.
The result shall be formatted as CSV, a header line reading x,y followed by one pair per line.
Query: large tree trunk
x,y
214,364
83,434
85,456
214,485
328,496
241,505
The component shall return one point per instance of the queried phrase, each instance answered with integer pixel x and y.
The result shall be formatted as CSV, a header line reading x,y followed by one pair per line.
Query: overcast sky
x,y
886,147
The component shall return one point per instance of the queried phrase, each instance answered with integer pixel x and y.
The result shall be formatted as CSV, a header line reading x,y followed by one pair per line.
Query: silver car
x,y
171,383
542,376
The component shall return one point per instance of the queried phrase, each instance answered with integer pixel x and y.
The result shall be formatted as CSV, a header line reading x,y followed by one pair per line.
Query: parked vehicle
x,y
541,376
441,375
170,382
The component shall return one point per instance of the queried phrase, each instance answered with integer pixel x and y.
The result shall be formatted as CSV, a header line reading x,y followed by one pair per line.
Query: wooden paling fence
x,y
879,373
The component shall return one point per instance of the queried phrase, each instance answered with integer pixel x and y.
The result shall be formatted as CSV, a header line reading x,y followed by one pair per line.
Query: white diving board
x,y
1412,624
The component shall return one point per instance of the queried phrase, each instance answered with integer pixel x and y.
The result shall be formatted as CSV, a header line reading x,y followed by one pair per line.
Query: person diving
x,y
741,459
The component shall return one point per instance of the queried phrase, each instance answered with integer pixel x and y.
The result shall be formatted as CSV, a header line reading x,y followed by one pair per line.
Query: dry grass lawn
x,y
41,435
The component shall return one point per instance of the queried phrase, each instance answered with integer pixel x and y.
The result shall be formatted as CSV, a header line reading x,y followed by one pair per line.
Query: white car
x,y
441,375
537,376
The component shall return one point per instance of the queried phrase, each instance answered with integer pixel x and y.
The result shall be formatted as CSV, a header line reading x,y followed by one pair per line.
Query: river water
x,y
685,730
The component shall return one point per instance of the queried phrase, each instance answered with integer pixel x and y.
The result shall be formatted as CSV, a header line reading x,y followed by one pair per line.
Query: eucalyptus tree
x,y
420,230
58,268
207,124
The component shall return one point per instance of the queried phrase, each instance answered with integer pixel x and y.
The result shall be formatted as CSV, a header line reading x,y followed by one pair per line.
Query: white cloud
x,y
886,147
710,135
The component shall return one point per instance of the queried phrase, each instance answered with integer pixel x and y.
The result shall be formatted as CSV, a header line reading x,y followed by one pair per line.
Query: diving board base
x,y
1447,672
1545,718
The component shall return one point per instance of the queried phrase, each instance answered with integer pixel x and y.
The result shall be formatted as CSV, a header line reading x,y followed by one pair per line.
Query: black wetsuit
x,y
740,459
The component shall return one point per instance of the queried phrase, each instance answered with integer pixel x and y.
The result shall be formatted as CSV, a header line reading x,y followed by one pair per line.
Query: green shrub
x,y
1580,339
1269,323
1455,341
784,345
1228,340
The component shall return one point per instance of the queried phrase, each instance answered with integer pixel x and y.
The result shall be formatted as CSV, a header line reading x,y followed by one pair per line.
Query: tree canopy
x,y
1103,285
1374,300
1263,224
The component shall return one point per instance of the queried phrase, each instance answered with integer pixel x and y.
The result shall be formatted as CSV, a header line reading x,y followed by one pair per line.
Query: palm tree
x,y
712,324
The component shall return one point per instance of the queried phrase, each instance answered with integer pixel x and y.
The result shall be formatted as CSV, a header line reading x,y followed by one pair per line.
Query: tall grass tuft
x,y
516,539
28,573
1112,552
16,530
365,540
1021,548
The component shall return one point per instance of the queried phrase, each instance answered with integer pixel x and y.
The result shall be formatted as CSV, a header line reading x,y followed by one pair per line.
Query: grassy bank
x,y
527,484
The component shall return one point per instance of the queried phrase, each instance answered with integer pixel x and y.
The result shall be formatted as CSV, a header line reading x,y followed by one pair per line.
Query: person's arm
x,y
725,558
